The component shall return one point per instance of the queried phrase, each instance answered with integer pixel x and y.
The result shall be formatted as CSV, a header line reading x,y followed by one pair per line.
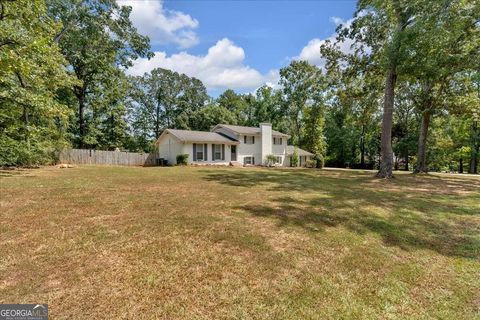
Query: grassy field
x,y
212,243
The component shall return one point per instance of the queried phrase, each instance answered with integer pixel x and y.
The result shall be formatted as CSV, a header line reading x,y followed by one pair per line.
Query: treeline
x,y
405,94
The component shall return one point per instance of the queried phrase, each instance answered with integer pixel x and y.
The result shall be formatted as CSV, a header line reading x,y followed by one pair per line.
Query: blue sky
x,y
235,44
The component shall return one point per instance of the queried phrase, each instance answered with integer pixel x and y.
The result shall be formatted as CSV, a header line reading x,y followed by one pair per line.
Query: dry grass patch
x,y
235,243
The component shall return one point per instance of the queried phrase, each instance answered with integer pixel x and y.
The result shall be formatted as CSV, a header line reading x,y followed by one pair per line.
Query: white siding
x,y
281,150
169,147
266,132
250,150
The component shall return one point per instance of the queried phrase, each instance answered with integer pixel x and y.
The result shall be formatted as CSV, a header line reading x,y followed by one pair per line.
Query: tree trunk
x,y
81,118
406,161
157,121
26,123
421,166
473,165
460,167
362,148
386,162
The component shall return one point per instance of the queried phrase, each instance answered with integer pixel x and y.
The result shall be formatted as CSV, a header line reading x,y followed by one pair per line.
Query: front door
x,y
234,153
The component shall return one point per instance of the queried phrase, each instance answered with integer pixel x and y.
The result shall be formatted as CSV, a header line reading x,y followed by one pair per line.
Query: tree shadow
x,y
409,212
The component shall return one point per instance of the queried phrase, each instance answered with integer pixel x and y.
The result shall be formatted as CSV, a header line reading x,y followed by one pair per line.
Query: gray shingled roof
x,y
301,152
250,130
200,136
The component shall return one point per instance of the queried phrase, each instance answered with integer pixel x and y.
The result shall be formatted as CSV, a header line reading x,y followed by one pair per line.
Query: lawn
x,y
235,243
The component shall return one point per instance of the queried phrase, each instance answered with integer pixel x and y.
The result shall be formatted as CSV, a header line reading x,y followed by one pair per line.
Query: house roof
x,y
301,152
199,136
249,130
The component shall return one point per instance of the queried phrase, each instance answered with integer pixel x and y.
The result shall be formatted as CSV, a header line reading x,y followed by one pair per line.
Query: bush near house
x,y
294,161
182,159
319,161
270,160
311,163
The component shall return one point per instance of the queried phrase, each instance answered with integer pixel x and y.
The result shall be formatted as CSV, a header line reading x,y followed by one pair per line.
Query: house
x,y
229,143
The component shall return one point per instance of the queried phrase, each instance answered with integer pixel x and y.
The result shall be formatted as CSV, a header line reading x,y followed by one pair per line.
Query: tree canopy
x,y
404,96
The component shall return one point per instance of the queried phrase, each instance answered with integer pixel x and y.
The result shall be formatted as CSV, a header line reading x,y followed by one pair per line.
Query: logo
x,y
23,311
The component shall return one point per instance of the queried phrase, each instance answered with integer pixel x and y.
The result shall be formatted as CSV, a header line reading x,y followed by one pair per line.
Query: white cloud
x,y
311,52
222,67
162,25
337,20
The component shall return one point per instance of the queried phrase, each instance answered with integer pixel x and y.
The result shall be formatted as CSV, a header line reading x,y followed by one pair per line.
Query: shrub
x,y
310,163
319,161
294,161
270,160
182,159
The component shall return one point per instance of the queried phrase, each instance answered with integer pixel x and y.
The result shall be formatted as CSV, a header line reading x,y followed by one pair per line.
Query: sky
x,y
236,44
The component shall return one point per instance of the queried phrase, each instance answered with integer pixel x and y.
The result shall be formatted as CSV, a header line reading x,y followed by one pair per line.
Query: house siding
x,y
250,150
169,147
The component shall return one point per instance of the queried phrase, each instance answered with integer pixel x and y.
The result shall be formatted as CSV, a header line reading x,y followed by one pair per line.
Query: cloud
x,y
337,21
311,52
222,67
163,26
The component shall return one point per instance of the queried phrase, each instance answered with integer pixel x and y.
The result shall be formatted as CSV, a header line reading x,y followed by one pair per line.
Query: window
x,y
199,152
217,151
277,140
278,160
249,139
249,160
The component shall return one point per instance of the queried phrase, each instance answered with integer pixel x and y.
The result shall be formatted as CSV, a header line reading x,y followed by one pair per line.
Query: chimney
x,y
266,140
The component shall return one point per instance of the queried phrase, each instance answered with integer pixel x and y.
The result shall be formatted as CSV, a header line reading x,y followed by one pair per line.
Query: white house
x,y
229,143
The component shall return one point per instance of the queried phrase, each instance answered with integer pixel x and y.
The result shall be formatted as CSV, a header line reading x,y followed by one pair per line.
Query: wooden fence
x,y
121,158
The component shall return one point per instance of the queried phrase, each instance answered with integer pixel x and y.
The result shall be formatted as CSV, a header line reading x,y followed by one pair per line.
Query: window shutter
x,y
253,160
205,152
253,139
223,152
281,140
194,152
245,139
213,152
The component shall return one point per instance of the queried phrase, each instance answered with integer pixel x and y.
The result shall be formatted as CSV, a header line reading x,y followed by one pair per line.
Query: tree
x,y
165,99
405,123
299,81
382,27
447,45
234,103
211,115
294,159
97,38
268,107
32,122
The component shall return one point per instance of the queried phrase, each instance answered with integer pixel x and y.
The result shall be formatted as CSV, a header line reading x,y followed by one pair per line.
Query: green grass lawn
x,y
213,243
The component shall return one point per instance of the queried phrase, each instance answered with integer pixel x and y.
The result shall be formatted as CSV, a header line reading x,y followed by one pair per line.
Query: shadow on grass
x,y
409,212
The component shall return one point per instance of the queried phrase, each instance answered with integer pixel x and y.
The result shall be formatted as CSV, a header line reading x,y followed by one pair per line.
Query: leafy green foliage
x,y
182,159
270,160
32,122
294,160
97,39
